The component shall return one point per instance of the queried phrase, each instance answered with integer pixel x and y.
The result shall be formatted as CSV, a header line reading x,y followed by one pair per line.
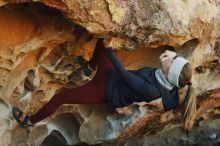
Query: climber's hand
x,y
167,54
107,42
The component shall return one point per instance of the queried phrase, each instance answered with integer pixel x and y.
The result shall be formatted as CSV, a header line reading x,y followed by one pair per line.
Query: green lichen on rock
x,y
116,12
93,27
82,4
94,12
218,25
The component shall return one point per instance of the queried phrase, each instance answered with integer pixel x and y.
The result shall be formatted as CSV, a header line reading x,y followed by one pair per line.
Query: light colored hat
x,y
175,69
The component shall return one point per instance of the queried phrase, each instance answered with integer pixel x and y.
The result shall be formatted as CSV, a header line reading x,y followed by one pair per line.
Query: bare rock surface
x,y
39,44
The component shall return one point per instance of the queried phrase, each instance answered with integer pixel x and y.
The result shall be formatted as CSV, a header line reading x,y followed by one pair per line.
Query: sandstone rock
x,y
39,46
68,127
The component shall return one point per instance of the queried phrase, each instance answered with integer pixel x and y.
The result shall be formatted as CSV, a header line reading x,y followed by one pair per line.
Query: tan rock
x,y
38,49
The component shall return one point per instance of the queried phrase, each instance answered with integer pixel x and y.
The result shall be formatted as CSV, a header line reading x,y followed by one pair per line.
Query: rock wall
x,y
39,45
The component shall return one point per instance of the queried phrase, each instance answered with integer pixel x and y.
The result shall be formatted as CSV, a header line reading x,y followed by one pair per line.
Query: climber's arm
x,y
134,81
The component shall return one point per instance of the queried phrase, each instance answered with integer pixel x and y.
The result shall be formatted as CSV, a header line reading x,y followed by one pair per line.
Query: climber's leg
x,y
99,57
91,93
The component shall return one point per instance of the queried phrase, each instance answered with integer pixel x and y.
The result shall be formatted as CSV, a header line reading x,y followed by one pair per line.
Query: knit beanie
x,y
175,69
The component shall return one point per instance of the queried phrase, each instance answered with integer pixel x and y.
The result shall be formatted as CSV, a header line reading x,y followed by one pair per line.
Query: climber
x,y
119,87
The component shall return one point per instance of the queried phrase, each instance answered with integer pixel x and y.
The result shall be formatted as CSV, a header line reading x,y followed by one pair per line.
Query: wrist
x,y
108,45
107,42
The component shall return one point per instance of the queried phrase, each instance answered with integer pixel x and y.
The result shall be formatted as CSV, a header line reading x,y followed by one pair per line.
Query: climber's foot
x,y
22,119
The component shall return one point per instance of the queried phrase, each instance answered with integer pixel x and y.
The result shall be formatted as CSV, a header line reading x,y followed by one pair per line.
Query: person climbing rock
x,y
119,87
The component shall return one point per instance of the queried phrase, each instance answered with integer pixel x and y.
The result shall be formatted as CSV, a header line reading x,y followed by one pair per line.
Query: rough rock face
x,y
38,49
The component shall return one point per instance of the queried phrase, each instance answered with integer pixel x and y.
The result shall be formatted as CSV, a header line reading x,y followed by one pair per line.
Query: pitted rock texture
x,y
142,22
39,46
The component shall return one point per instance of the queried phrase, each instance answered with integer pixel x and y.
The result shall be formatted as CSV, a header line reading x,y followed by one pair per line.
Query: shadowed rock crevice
x,y
54,139
67,125
187,48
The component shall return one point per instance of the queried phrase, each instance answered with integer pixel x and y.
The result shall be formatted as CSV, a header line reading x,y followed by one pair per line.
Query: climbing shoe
x,y
22,121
